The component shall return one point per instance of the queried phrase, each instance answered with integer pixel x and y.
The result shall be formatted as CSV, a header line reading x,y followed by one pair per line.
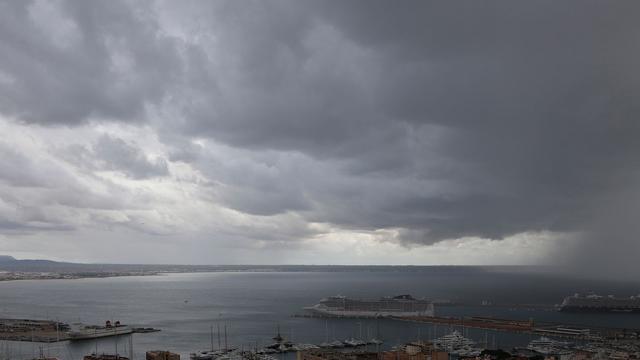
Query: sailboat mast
x,y
131,347
326,331
225,338
211,336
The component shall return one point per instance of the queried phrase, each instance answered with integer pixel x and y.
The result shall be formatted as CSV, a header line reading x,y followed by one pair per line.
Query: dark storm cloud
x,y
537,110
536,101
64,62
442,119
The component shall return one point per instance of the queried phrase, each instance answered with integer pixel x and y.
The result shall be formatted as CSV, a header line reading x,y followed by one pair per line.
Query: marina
x,y
454,343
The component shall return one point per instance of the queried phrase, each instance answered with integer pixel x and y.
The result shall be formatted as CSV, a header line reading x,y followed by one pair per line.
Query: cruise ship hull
x,y
602,304
598,309
365,314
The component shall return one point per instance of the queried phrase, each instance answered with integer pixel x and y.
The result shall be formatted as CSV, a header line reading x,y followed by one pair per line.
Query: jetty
x,y
48,331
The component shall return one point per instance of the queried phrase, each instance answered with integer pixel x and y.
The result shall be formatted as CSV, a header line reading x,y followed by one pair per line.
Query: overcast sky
x,y
321,132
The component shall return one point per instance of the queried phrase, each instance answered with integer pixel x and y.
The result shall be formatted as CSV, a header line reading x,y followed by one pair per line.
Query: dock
x,y
323,316
568,331
474,322
47,331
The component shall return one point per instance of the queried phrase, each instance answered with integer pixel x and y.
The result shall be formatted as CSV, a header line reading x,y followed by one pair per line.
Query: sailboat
x,y
213,353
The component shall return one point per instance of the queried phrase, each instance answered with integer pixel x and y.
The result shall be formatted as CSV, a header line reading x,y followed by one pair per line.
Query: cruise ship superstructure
x,y
402,305
597,303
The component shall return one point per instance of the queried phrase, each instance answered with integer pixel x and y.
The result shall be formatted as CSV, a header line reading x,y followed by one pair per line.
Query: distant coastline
x,y
27,269
31,275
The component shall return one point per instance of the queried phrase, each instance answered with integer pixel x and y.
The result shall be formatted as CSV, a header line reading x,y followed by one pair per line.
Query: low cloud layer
x,y
273,125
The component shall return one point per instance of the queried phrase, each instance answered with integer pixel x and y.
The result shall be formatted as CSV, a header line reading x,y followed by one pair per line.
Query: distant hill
x,y
9,263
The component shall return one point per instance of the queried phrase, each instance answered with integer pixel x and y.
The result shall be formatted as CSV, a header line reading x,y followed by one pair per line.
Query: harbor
x,y
567,331
454,345
252,321
546,338
44,331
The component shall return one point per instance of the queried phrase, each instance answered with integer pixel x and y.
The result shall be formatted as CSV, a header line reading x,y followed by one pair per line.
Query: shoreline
x,y
19,275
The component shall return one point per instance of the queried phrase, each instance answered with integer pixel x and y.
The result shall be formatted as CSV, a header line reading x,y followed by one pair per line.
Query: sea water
x,y
253,305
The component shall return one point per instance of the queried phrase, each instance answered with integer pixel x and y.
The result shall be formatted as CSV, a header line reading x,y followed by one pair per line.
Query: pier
x,y
568,331
47,331
33,330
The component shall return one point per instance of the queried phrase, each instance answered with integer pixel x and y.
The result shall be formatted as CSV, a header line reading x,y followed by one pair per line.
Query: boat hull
x,y
317,310
598,309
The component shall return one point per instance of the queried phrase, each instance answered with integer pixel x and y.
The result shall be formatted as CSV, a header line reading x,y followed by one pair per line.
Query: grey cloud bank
x,y
301,121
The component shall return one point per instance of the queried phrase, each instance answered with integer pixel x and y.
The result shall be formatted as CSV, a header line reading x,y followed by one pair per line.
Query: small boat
x,y
210,354
547,346
144,330
205,355
302,347
457,344
352,342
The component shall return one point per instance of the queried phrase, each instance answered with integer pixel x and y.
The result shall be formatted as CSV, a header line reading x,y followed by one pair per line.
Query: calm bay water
x,y
253,304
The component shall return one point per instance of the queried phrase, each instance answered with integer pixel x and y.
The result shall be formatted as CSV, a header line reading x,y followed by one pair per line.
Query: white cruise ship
x,y
402,305
83,332
597,303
